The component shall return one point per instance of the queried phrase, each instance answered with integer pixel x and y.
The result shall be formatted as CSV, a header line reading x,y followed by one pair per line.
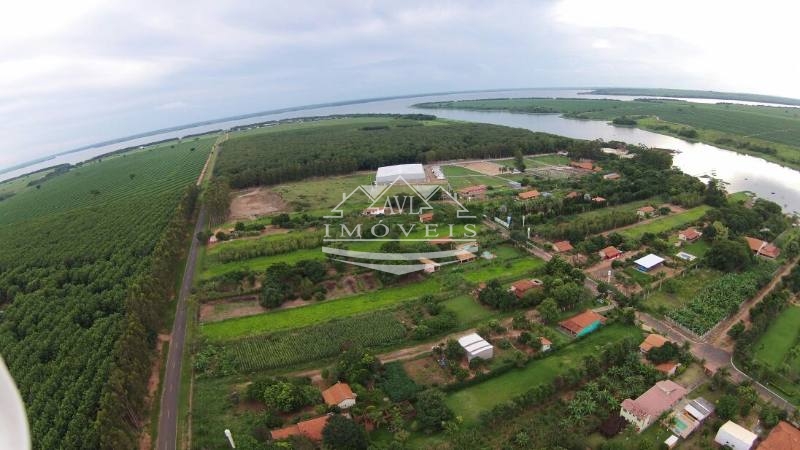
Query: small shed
x,y
476,347
671,441
735,436
648,263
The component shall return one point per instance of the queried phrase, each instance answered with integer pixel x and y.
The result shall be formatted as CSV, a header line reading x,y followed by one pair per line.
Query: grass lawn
x,y
460,177
468,311
518,268
317,312
320,195
641,278
469,402
697,248
773,347
686,288
261,263
666,223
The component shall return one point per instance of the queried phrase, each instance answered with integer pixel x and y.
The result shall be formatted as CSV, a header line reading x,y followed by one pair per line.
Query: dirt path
x,y
145,439
719,334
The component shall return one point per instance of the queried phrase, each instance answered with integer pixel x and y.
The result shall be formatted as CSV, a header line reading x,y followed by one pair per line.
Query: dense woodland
x,y
343,147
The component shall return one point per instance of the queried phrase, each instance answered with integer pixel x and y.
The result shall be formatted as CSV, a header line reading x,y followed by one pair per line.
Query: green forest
x,y
343,146
86,268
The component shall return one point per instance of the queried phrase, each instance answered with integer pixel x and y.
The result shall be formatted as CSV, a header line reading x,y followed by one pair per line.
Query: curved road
x,y
168,418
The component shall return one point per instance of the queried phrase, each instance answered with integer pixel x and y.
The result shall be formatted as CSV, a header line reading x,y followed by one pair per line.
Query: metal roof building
x,y
409,172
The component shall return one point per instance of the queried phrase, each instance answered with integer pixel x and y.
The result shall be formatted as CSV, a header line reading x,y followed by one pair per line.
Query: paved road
x,y
713,356
168,418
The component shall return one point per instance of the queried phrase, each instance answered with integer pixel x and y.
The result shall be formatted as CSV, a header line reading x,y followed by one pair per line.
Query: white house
x,y
476,347
735,436
339,395
545,344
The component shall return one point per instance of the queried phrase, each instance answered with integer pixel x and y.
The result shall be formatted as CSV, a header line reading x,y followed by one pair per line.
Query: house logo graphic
x,y
394,212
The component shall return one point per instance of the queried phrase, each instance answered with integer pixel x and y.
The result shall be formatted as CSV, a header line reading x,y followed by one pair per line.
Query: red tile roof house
x,y
610,252
762,248
689,235
471,192
668,368
425,218
311,429
521,287
783,437
583,324
648,407
645,211
528,195
585,165
562,246
546,343
652,341
339,395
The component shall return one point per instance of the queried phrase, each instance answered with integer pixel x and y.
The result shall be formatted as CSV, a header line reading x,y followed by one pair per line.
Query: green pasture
x,y
666,223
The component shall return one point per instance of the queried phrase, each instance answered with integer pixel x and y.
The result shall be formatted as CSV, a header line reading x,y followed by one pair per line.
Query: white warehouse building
x,y
409,172
476,347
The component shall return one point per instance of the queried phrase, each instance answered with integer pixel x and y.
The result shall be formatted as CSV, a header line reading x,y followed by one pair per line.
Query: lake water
x,y
741,172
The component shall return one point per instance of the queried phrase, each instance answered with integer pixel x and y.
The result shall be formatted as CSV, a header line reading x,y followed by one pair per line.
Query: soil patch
x,y
484,167
226,309
252,203
145,439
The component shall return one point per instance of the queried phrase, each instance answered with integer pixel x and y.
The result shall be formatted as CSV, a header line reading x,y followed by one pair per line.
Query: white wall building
x,y
409,172
476,347
735,436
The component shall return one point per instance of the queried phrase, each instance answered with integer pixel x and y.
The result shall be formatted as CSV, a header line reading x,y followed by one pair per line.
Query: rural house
x,y
311,429
521,287
527,195
645,211
610,252
562,246
649,406
465,257
585,165
763,248
668,368
425,218
689,235
652,341
476,347
599,199
572,195
612,176
735,436
583,324
546,343
783,437
339,395
470,192
430,265
648,263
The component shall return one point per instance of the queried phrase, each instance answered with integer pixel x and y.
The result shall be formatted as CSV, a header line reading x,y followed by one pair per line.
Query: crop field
x,y
288,348
288,319
469,402
73,246
719,299
666,223
686,287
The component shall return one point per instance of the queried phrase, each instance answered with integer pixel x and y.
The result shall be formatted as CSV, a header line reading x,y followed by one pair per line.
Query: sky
x,y
90,70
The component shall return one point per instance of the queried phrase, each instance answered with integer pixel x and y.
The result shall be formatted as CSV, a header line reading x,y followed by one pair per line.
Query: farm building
x,y
476,347
339,395
612,176
430,265
648,407
645,211
671,441
562,246
465,257
783,437
610,252
527,195
585,165
690,416
311,429
689,235
735,436
521,287
763,248
426,217
408,172
471,192
648,263
583,324
652,341
546,344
